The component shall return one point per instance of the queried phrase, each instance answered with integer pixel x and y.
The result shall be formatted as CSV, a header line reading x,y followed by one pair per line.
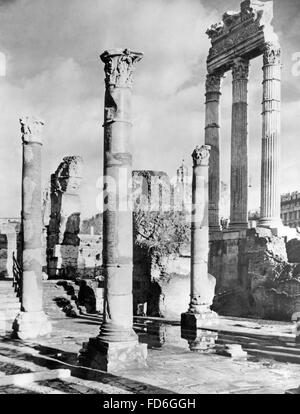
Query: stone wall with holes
x,y
258,274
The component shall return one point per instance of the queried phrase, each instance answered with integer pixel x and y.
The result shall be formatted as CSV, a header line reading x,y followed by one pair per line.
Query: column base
x,y
113,356
192,321
271,223
30,325
200,340
238,226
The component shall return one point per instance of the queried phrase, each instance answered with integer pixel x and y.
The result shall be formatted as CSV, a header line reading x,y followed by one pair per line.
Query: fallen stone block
x,y
232,351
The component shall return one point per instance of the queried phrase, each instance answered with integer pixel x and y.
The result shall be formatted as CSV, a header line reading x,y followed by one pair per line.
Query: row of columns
x,y
117,344
270,196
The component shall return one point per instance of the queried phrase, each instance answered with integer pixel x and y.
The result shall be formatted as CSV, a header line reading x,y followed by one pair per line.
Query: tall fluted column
x,y
117,344
212,137
31,321
202,284
239,146
270,165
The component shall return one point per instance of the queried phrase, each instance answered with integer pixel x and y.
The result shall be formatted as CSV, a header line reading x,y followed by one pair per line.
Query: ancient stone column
x,y
202,284
212,128
117,345
31,321
270,168
239,146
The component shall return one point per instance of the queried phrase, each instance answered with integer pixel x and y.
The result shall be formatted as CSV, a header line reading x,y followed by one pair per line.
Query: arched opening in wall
x,y
255,93
225,142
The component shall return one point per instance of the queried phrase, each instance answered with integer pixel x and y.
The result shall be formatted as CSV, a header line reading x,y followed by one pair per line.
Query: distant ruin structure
x,y
240,37
64,221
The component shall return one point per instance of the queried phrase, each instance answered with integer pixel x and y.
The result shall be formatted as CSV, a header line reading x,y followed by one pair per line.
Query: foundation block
x,y
31,325
113,356
192,321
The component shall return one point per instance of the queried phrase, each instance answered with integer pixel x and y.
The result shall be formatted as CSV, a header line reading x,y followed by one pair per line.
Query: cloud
x,y
54,71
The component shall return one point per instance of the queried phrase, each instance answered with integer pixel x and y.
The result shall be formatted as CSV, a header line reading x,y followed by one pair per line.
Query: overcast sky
x,y
53,70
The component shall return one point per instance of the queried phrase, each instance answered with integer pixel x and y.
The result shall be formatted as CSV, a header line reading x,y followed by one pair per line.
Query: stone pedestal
x,y
204,318
202,284
113,356
200,340
117,343
31,321
239,146
212,138
270,168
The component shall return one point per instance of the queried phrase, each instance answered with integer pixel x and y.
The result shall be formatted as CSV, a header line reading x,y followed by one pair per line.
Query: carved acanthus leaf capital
x,y
201,155
213,82
31,129
240,69
119,67
272,54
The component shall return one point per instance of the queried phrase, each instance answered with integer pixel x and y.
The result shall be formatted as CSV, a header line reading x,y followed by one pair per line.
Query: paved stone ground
x,y
172,367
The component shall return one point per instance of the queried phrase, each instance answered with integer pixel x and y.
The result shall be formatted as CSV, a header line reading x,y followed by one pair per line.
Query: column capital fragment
x,y
213,82
201,155
272,53
240,69
119,67
31,129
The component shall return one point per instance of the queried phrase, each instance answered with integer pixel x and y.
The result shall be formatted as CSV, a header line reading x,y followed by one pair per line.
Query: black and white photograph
x,y
150,200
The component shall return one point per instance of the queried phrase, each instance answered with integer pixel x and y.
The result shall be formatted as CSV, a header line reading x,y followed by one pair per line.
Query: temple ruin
x,y
157,266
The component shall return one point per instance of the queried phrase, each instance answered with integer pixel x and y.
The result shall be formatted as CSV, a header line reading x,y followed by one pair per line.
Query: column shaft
x,y
239,146
31,321
212,138
117,216
270,165
202,284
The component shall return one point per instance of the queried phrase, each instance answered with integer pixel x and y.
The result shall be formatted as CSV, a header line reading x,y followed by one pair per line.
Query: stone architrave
x,y
239,146
202,284
31,322
212,138
270,162
117,345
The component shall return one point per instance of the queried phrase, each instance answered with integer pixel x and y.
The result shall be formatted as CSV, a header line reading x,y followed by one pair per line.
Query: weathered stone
x,y
113,356
239,146
31,321
117,344
232,351
64,223
202,284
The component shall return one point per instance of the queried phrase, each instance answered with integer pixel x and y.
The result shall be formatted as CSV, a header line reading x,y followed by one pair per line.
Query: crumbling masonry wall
x,y
64,224
254,275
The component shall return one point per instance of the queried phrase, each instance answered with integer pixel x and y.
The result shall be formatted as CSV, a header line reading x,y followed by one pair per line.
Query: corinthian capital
x,y
213,82
119,67
201,155
31,129
272,54
240,69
